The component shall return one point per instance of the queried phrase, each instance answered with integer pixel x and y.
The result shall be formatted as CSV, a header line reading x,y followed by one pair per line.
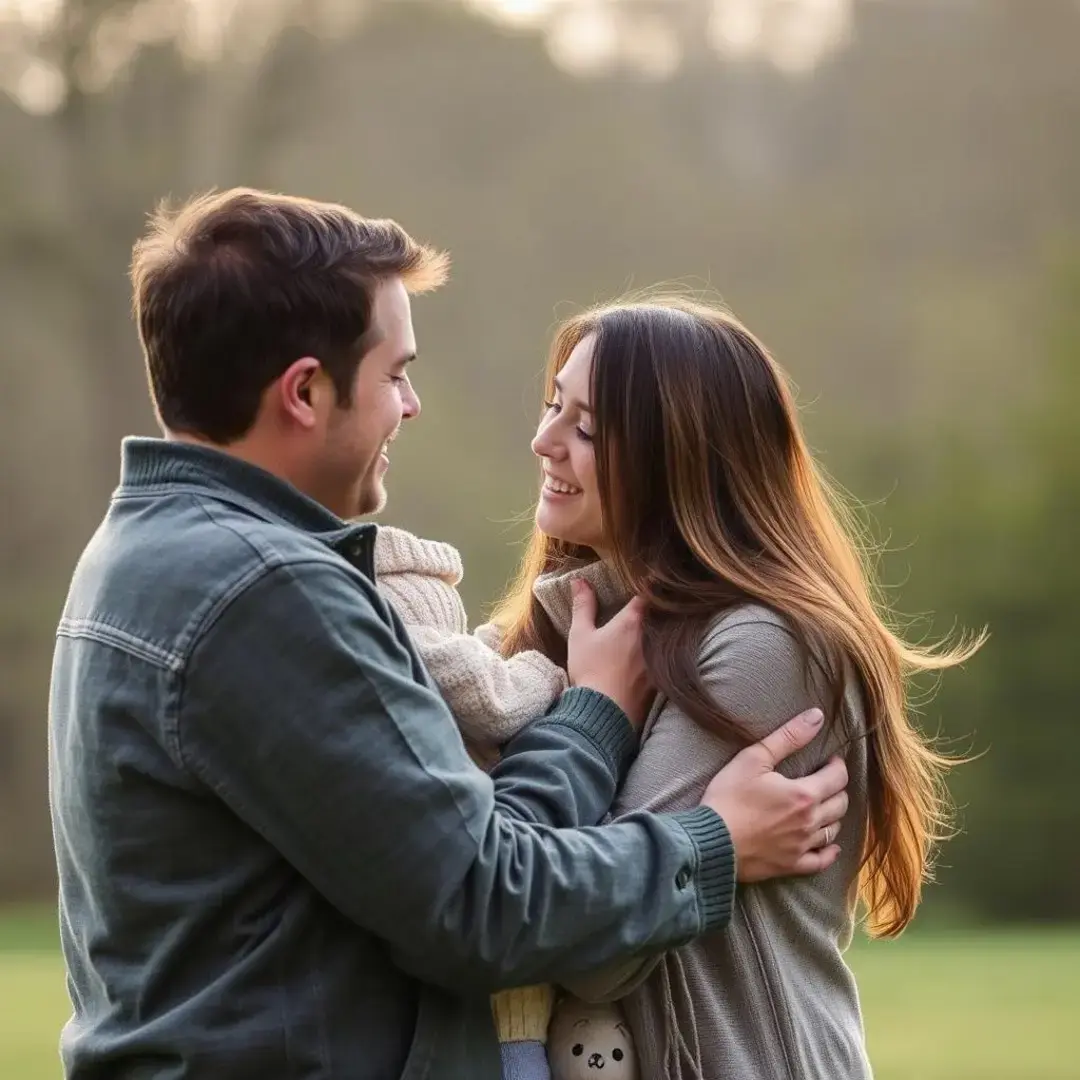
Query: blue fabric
x,y
524,1061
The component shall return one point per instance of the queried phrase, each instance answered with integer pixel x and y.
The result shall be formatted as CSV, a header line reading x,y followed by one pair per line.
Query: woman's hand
x,y
781,826
610,659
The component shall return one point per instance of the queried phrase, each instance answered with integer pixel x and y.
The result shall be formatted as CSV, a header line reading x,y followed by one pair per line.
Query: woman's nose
x,y
543,445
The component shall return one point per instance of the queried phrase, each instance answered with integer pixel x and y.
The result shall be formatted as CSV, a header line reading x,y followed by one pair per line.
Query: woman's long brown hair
x,y
710,499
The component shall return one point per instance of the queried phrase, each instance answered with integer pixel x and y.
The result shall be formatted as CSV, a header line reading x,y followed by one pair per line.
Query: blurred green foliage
x,y
900,225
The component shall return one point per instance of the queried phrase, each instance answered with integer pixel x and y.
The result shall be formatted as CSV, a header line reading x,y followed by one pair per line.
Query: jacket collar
x,y
158,466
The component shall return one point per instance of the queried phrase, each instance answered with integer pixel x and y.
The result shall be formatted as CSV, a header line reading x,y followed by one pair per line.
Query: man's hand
x,y
780,826
609,660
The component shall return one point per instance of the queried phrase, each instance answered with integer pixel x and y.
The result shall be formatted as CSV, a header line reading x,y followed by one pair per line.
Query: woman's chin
x,y
542,520
553,524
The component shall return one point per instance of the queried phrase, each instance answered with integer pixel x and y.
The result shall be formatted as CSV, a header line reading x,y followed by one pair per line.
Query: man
x,y
276,859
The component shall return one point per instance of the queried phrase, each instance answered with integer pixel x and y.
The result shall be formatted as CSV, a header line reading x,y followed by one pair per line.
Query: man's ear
x,y
300,391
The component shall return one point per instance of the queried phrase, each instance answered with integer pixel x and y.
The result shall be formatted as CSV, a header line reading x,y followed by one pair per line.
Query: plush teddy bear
x,y
590,1042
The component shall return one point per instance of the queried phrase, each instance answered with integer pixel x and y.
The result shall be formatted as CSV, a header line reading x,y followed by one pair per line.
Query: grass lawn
x,y
961,1006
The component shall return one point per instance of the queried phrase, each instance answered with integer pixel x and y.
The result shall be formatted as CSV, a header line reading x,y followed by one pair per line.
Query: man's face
x,y
356,452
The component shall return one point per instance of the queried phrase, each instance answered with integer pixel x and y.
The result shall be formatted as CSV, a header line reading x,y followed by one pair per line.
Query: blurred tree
x,y
127,106
995,524
144,107
1017,857
879,220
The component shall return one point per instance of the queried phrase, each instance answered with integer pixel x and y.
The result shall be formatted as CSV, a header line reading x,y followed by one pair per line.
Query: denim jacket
x,y
276,859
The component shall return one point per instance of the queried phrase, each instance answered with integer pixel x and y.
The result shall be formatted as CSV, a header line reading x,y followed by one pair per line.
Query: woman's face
x,y
569,507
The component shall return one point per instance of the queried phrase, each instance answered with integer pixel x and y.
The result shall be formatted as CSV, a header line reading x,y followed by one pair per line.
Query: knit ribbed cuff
x,y
601,721
715,872
523,1014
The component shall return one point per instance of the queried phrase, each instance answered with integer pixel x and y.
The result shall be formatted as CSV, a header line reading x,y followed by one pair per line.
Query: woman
x,y
674,468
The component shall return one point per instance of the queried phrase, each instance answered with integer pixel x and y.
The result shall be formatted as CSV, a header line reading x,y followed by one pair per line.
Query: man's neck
x,y
250,449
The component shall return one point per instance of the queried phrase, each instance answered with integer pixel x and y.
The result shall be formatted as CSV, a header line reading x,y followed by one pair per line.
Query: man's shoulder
x,y
161,570
229,548
240,539
195,536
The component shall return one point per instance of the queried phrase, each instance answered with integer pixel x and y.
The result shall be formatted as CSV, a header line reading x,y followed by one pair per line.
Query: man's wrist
x,y
714,872
600,720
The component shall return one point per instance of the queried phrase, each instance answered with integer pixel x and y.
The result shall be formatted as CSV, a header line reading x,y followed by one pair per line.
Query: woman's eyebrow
x,y
580,405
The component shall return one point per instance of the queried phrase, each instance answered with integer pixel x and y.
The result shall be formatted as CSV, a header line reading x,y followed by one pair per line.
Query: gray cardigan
x,y
770,997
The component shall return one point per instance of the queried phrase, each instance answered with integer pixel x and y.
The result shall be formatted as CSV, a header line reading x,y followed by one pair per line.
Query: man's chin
x,y
372,501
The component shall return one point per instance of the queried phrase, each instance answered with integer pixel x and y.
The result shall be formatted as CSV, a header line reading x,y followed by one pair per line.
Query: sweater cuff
x,y
523,1014
715,871
601,721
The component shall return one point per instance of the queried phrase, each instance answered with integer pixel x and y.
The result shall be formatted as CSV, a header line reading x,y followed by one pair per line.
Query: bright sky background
x,y
588,34
584,37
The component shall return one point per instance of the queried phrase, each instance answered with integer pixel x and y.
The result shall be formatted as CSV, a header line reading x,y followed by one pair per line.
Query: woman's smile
x,y
554,488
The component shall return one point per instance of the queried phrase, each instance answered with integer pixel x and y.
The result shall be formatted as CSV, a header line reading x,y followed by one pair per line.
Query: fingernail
x,y
814,717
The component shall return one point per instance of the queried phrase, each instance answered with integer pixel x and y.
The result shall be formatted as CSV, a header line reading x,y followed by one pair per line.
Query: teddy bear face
x,y
591,1043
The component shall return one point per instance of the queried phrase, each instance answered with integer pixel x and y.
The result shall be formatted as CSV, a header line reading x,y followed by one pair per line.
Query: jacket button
x,y
682,878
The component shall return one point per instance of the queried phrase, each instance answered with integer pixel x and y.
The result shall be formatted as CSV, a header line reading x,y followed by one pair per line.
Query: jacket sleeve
x,y
755,670
306,713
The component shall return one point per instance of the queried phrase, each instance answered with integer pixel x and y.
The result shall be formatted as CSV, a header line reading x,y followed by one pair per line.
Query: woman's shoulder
x,y
755,663
752,653
746,628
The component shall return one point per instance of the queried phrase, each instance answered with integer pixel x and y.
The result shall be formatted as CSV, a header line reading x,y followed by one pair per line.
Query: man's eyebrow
x,y
573,401
408,358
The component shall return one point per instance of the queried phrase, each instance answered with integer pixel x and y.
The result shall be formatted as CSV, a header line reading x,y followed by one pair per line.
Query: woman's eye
x,y
584,435
617,1054
552,406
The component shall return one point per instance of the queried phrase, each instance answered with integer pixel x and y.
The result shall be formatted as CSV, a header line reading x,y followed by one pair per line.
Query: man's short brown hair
x,y
233,287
